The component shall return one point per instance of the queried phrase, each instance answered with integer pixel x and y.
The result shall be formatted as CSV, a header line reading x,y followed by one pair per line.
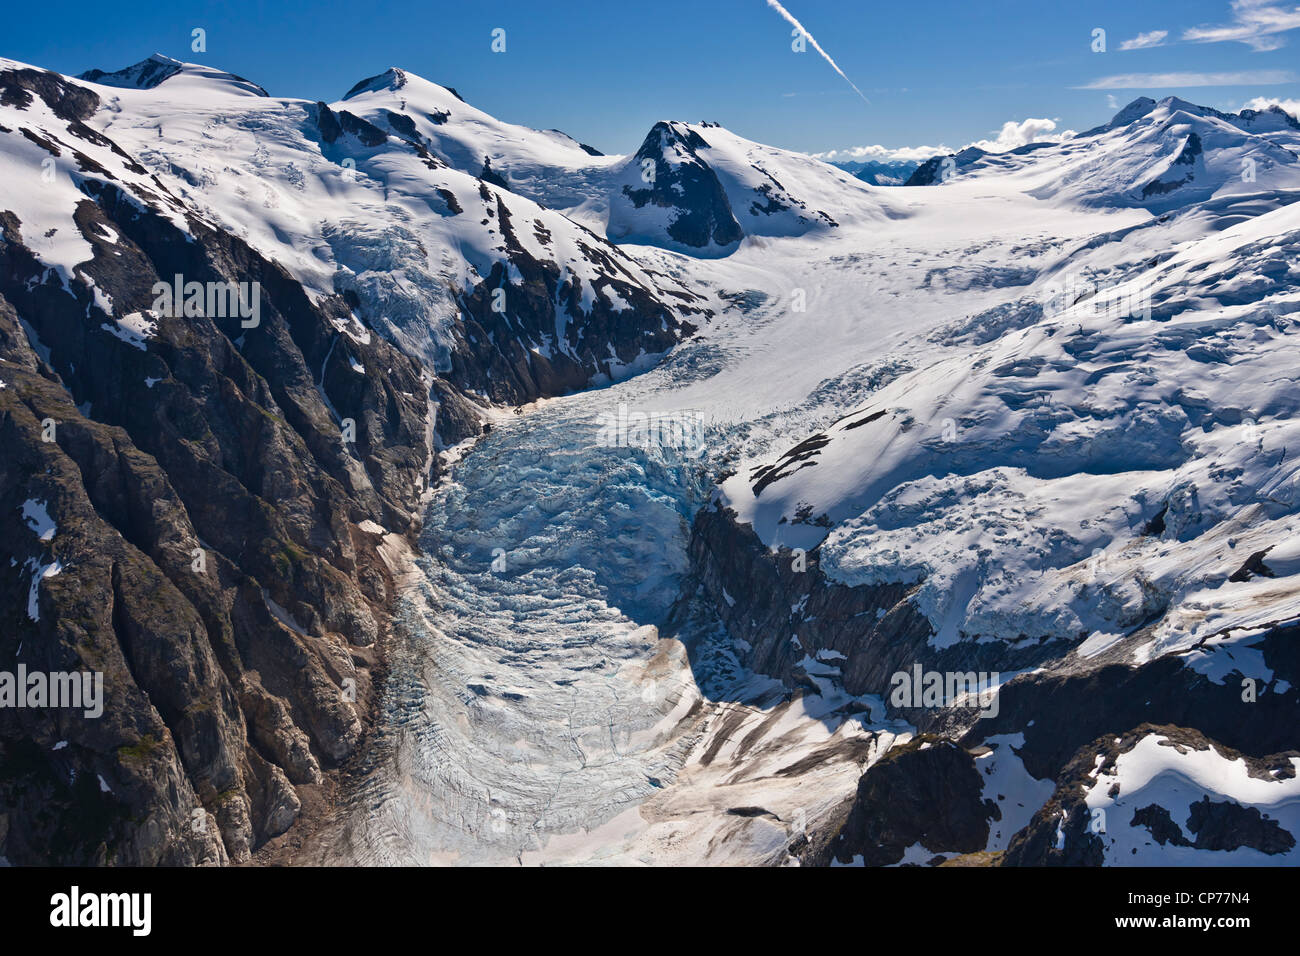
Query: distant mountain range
x,y
876,173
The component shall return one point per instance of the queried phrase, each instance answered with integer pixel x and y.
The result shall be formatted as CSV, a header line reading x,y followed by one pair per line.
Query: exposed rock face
x,y
701,189
506,346
333,125
145,75
936,169
206,550
1217,826
685,188
1066,708
1066,831
1182,169
1071,716
926,791
1228,826
790,614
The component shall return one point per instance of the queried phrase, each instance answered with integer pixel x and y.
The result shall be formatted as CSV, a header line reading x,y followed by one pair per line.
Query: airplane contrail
x,y
816,46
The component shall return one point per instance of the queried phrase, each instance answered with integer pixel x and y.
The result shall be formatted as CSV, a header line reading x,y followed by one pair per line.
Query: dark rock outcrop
x,y
783,612
926,792
507,348
937,169
688,188
784,609
1065,833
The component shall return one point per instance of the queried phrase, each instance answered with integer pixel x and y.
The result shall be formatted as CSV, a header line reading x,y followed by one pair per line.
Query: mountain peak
x,y
395,78
1178,103
145,75
158,68
1273,118
1145,105
392,78
1135,110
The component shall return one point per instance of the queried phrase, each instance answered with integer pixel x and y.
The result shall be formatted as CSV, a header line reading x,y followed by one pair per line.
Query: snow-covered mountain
x,y
547,166
1029,419
149,73
1157,156
881,173
503,296
694,188
702,189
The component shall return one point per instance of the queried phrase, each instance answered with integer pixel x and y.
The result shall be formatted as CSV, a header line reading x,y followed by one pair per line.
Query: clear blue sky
x,y
606,70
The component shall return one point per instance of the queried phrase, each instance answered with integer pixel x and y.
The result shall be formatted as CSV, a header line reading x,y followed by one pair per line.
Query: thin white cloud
x,y
1264,102
1111,102
1011,135
816,46
1140,81
1256,23
1144,41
